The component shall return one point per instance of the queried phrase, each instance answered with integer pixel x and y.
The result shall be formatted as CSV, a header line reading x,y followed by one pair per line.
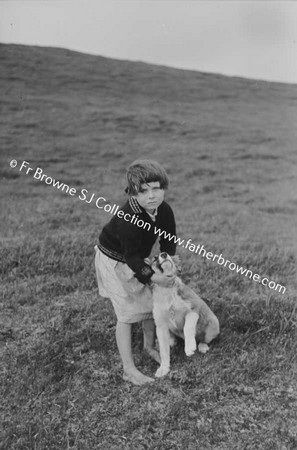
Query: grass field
x,y
229,145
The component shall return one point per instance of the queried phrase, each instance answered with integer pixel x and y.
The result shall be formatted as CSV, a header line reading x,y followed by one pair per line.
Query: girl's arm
x,y
131,242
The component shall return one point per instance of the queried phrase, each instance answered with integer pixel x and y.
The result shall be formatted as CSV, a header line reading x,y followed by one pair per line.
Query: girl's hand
x,y
163,280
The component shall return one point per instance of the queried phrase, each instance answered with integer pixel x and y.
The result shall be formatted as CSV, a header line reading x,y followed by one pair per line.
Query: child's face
x,y
150,196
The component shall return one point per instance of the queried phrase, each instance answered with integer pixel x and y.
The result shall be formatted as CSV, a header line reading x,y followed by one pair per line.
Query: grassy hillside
x,y
229,145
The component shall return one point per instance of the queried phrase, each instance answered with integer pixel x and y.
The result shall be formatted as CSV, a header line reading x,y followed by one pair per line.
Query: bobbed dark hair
x,y
143,171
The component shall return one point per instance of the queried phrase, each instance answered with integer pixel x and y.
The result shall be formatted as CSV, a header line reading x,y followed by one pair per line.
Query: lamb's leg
x,y
172,339
191,320
164,347
202,347
212,330
148,327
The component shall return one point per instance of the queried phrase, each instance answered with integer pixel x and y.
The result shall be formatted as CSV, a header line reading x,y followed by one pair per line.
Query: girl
x,y
123,273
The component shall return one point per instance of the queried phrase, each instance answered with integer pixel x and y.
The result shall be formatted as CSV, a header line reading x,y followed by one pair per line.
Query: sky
x,y
253,39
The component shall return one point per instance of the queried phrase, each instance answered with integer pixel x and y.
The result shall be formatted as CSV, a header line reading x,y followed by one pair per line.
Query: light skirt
x,y
132,300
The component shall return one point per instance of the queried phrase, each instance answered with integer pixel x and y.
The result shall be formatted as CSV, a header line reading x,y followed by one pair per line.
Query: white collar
x,y
153,215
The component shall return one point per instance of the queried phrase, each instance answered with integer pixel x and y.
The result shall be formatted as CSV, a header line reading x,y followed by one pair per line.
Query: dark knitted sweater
x,y
124,241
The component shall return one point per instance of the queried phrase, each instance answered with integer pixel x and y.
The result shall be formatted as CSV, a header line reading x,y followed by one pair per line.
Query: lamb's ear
x,y
177,261
149,261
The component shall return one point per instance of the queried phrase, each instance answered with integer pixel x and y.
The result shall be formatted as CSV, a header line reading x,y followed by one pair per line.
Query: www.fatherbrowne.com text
x,y
200,249
100,203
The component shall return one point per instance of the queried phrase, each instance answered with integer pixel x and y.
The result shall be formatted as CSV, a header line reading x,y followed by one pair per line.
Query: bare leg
x,y
149,337
131,373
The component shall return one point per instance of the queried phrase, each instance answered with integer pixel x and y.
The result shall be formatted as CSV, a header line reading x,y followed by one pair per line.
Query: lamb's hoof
x,y
172,340
190,348
161,372
203,348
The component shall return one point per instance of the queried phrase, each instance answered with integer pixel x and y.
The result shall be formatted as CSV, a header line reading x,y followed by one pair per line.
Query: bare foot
x,y
153,354
134,376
